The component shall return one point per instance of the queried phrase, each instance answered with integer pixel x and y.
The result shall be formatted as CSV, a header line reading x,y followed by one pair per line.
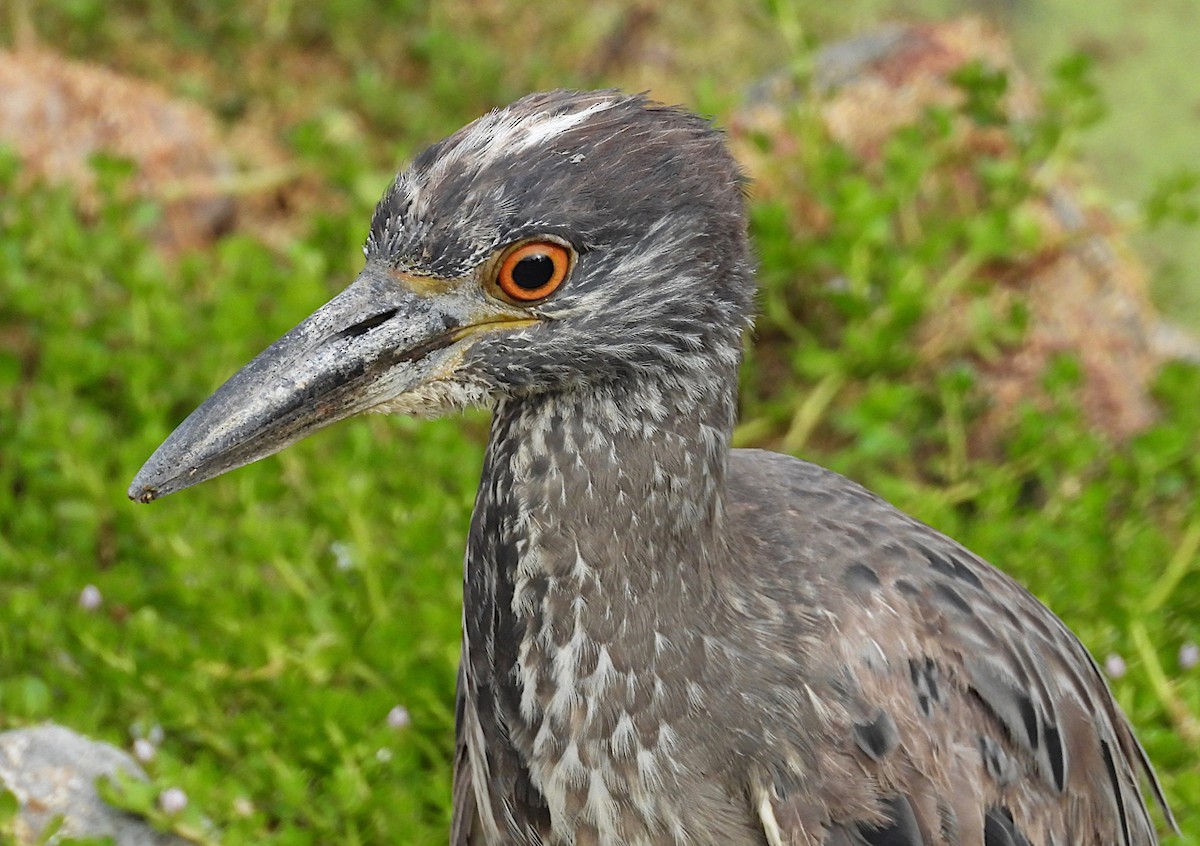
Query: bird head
x,y
566,240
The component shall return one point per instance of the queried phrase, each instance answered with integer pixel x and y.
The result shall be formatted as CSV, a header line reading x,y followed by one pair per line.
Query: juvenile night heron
x,y
665,640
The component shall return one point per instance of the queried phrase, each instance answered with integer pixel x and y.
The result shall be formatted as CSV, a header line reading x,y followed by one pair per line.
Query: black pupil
x,y
533,271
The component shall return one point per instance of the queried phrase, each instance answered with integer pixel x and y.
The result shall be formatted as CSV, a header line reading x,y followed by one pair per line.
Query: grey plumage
x,y
667,641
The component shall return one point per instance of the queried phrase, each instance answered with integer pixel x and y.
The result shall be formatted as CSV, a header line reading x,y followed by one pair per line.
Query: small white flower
x,y
1114,665
1189,656
343,555
383,755
398,718
90,598
172,800
155,735
144,750
243,807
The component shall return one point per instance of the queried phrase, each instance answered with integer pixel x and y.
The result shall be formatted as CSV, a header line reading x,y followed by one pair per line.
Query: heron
x,y
667,640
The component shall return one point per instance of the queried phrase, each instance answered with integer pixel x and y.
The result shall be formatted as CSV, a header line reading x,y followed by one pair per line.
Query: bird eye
x,y
533,270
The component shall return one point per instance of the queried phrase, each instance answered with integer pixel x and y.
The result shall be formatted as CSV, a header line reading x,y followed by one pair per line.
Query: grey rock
x,y
52,771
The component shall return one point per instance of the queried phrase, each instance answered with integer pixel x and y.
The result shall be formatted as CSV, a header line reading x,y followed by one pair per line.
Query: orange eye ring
x,y
533,270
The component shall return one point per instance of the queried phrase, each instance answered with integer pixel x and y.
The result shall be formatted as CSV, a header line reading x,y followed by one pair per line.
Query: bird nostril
x,y
365,326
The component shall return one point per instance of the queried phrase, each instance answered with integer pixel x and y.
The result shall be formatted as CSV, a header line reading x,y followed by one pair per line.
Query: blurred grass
x,y
270,620
1142,50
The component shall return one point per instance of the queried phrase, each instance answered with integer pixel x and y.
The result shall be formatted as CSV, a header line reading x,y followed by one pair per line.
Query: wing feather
x,y
954,701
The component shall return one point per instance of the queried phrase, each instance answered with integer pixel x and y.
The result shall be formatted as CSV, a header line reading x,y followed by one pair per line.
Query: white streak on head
x,y
504,132
542,127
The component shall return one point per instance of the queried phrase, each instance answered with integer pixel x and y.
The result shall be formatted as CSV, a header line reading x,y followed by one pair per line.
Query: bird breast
x,y
583,639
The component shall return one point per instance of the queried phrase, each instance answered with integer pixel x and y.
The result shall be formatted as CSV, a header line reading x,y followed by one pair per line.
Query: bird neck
x,y
614,491
599,520
632,473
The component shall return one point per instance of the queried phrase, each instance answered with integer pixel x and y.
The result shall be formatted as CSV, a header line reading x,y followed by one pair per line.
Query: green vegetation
x,y
268,622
